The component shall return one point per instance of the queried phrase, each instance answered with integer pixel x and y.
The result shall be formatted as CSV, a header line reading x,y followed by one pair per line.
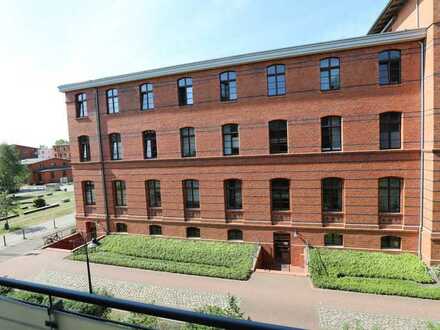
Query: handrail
x,y
138,307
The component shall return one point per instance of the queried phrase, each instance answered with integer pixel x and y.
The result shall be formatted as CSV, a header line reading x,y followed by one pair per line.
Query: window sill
x,y
86,118
121,206
334,246
229,101
391,249
325,91
277,95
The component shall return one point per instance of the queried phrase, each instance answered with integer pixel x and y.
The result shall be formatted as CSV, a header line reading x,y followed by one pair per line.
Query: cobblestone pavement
x,y
175,297
333,319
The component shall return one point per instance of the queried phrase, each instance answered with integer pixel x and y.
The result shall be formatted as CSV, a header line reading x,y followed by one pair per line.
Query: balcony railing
x,y
154,212
18,315
192,214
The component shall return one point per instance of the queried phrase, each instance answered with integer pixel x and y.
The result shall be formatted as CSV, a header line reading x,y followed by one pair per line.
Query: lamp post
x,y
93,243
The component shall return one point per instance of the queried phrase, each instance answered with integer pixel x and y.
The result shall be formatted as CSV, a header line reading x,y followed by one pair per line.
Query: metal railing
x,y
135,307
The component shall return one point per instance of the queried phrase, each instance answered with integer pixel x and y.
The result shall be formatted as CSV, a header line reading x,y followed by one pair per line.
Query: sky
x,y
46,43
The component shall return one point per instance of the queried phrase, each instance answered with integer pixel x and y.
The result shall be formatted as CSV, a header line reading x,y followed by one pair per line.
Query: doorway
x,y
281,244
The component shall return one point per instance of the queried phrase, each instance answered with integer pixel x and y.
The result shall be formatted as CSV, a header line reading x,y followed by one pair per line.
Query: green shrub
x,y
147,321
231,311
378,273
215,259
39,202
30,297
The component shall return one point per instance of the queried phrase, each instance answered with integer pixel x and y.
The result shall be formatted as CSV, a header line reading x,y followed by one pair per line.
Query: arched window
x,y
389,67
112,101
329,69
150,147
84,148
188,142
235,235
192,232
280,194
191,194
233,194
115,146
276,79
153,193
121,227
389,195
390,242
331,133
228,86
333,239
331,194
89,193
147,96
120,193
231,140
155,230
278,136
81,105
390,130
185,91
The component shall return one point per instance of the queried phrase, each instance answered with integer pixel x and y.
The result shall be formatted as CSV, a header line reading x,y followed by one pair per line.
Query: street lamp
x,y
92,244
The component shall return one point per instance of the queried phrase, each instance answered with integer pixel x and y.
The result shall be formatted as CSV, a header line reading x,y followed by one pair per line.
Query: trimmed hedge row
x,y
68,305
378,273
192,251
214,259
405,266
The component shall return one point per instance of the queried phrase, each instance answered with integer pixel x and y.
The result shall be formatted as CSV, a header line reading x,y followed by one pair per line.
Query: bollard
x,y
4,240
54,224
24,236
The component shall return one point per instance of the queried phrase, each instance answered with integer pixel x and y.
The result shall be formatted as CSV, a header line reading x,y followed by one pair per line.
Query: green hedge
x,y
378,273
196,257
68,305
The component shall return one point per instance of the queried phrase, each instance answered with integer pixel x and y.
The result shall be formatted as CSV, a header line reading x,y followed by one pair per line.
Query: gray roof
x,y
317,48
387,14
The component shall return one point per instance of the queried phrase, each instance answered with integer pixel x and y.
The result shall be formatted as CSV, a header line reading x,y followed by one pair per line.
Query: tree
x,y
7,207
12,172
61,142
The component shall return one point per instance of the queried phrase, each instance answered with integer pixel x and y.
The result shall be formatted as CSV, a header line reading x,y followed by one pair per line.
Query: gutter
x,y
422,143
101,161
317,48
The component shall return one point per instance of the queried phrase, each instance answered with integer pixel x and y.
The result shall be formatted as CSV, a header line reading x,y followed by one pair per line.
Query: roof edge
x,y
309,49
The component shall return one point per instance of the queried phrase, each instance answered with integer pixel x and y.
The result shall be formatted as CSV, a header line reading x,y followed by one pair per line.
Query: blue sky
x,y
50,42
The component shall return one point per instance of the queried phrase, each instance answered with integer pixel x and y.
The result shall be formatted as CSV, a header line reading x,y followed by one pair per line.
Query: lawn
x,y
51,197
372,272
196,257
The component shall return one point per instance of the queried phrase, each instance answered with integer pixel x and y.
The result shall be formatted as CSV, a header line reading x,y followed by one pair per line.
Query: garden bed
x,y
195,257
372,272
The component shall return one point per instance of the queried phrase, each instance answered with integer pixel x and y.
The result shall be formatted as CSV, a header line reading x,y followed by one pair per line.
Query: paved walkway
x,y
34,234
268,297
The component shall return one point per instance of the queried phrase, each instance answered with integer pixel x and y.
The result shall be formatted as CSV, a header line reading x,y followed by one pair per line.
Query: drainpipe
x,y
101,161
422,142
418,12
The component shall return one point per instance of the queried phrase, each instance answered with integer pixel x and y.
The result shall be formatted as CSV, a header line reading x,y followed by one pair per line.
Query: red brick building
x,y
49,170
26,152
61,151
330,144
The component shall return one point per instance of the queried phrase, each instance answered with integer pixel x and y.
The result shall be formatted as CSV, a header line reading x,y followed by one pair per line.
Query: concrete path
x,y
35,234
268,297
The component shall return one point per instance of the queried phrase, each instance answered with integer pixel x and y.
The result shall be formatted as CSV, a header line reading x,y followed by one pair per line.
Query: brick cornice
x,y
281,159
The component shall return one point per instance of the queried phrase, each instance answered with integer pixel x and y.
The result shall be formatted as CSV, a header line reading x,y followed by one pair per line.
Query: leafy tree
x,y
12,172
61,142
7,207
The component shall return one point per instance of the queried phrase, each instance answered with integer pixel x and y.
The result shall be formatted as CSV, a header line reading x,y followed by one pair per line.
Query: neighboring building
x,y
61,151
26,152
44,171
45,152
317,144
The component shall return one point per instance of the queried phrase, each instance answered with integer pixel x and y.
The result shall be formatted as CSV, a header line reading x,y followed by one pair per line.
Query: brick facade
x,y
360,164
61,151
25,152
49,171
